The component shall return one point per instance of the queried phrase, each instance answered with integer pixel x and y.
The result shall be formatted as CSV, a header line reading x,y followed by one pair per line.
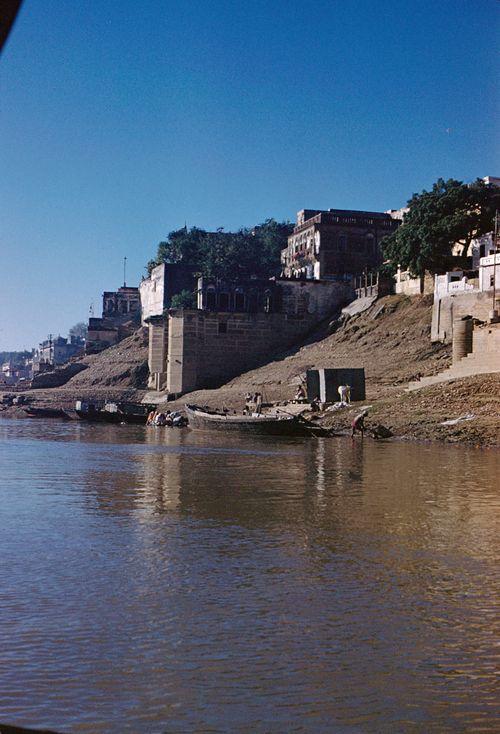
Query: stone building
x,y
121,305
55,351
165,281
235,328
336,244
457,294
120,313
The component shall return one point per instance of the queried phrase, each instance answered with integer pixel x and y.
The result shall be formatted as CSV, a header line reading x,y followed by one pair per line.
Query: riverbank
x,y
391,341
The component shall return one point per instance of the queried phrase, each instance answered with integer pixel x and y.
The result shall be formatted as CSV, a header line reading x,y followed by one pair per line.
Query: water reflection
x,y
157,580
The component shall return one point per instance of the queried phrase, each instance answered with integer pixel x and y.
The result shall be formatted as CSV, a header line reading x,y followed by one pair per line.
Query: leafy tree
x,y
79,329
227,255
184,299
451,213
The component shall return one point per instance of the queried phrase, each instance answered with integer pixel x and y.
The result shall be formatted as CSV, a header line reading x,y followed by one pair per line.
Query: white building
x,y
453,282
488,273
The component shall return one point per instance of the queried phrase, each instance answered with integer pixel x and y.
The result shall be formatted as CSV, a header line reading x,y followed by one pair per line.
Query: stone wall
x,y
405,285
157,353
317,298
205,349
446,310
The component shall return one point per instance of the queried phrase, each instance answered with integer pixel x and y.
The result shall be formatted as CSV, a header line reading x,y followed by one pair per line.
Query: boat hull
x,y
262,425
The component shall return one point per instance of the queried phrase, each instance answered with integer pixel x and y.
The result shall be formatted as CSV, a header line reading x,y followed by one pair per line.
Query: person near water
x,y
358,424
248,403
258,402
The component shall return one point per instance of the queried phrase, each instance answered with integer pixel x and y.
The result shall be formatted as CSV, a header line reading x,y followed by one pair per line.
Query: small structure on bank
x,y
323,384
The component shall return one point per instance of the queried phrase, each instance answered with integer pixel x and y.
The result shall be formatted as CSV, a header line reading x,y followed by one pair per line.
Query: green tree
x,y
184,299
451,213
227,255
79,329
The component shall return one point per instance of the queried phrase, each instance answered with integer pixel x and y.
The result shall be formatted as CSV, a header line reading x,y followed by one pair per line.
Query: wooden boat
x,y
276,424
113,412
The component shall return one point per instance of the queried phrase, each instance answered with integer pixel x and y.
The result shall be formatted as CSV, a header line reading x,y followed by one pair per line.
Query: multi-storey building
x,y
336,244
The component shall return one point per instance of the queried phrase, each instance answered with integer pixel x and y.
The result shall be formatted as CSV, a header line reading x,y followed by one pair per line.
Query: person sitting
x,y
161,419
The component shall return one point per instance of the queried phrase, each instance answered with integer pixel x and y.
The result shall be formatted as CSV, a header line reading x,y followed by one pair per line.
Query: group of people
x,y
253,403
357,424
168,418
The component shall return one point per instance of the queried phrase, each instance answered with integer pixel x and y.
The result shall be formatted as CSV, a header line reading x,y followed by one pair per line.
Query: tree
x,y
79,329
228,256
451,213
184,299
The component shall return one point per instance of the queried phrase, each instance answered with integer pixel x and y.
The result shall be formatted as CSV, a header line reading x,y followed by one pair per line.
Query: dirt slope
x,y
118,373
124,365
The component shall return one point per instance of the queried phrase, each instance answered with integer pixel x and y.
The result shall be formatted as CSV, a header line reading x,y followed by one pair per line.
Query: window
x,y
343,243
239,300
223,301
222,328
268,301
253,301
492,281
210,299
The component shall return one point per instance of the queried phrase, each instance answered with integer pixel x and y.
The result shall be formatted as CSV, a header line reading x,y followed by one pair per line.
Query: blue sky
x,y
121,120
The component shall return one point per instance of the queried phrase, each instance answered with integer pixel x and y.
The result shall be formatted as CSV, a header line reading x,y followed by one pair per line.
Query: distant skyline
x,y
121,121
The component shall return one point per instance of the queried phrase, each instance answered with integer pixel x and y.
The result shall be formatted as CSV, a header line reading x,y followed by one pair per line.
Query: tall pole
x,y
124,272
495,234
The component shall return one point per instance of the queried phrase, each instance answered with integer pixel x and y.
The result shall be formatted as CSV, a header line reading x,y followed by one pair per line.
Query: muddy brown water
x,y
154,580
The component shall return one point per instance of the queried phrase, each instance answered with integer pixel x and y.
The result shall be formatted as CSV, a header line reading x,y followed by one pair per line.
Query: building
x,y
165,281
236,327
250,296
55,351
121,305
120,314
457,294
336,244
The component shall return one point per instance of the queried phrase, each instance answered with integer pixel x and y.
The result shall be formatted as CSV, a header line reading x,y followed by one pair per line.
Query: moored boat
x,y
113,412
274,424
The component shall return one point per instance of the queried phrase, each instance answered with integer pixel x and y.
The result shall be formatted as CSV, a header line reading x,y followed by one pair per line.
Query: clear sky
x,y
122,120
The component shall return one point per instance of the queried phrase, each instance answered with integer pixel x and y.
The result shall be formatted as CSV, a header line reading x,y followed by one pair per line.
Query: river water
x,y
155,580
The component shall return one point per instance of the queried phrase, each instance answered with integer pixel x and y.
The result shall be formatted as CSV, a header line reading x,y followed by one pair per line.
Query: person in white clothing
x,y
345,393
